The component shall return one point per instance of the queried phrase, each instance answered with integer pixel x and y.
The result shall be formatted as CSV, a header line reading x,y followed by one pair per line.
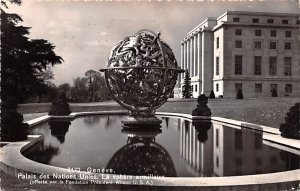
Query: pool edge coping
x,y
13,162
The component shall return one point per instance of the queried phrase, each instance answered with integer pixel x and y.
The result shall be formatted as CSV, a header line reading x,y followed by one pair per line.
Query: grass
x,y
268,111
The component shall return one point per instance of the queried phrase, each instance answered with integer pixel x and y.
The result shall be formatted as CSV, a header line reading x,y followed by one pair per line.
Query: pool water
x,y
180,148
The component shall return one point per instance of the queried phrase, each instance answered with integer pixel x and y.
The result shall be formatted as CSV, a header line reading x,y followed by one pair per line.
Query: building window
x,y
257,32
285,21
287,45
238,32
287,66
217,87
218,41
196,88
217,65
257,44
271,21
258,88
273,33
236,19
273,65
238,62
257,65
273,87
238,86
238,44
298,22
256,20
288,34
288,88
272,45
238,140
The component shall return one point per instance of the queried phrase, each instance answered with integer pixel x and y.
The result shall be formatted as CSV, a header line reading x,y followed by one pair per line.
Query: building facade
x,y
256,52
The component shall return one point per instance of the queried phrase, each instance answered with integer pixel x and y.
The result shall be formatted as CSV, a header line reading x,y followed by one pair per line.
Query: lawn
x,y
270,112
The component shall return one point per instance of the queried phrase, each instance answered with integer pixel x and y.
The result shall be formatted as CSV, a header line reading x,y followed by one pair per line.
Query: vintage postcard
x,y
150,95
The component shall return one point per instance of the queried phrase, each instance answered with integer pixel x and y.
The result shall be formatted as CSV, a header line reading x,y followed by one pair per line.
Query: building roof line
x,y
201,24
258,14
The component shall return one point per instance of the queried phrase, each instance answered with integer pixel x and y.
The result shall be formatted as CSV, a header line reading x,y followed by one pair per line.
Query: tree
x,y
96,86
65,87
79,91
24,71
92,76
187,88
102,92
25,63
239,94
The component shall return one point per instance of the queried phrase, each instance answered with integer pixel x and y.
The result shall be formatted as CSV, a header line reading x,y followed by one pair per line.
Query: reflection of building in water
x,y
240,152
227,152
197,155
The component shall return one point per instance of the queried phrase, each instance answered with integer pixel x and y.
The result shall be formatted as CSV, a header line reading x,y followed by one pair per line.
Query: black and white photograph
x,y
150,95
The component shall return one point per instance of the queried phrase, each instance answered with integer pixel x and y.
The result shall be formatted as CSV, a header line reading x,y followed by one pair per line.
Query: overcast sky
x,y
85,31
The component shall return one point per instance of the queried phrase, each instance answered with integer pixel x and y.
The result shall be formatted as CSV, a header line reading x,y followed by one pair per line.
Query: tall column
x,y
188,55
195,55
184,56
181,61
199,64
192,56
207,62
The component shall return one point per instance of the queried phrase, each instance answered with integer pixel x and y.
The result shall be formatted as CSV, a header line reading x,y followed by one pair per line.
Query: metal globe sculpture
x,y
141,74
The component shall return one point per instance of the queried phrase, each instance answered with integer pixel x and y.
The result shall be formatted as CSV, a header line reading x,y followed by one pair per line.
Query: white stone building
x,y
253,51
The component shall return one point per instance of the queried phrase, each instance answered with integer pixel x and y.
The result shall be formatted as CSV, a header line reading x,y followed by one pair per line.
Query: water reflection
x,y
166,119
201,128
230,151
91,120
196,147
42,153
59,129
142,155
292,161
185,148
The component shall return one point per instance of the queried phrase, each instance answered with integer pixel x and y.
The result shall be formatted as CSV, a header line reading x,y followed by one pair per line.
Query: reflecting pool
x,y
179,148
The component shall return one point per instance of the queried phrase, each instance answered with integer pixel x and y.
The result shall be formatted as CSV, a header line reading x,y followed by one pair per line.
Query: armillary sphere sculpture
x,y
141,74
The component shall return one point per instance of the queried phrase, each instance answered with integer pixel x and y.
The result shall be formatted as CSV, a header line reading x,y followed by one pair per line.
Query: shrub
x,y
202,109
212,95
291,127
